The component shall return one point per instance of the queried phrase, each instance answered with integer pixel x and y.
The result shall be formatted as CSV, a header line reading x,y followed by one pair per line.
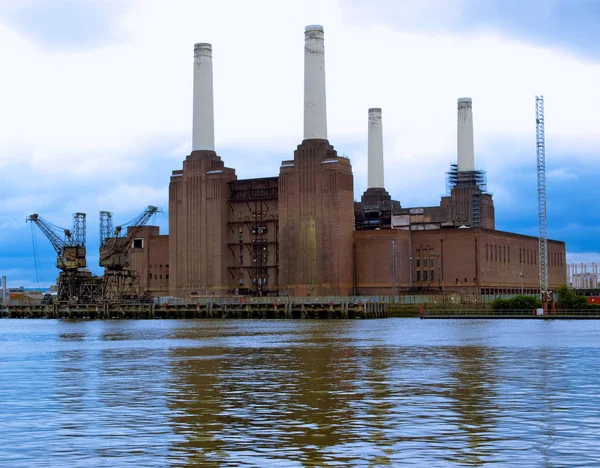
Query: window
x,y
431,275
138,243
418,253
155,277
520,256
418,276
486,252
160,277
508,254
418,263
166,276
424,275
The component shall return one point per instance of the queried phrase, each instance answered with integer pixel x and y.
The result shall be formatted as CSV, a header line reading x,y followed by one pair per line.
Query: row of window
x,y
255,214
555,259
501,253
157,276
425,252
425,264
497,253
426,275
497,291
256,230
255,259
157,266
528,256
255,281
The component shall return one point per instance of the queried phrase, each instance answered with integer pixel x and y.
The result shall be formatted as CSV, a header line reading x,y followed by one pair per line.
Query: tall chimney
x,y
4,290
466,155
375,149
203,126
315,113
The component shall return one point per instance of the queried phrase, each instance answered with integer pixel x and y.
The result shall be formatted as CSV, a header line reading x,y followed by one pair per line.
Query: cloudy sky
x,y
95,103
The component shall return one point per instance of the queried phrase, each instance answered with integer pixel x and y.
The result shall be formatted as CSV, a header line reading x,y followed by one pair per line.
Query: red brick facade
x,y
477,261
316,222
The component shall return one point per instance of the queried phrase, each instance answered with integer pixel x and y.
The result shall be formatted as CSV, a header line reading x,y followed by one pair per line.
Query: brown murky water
x,y
299,393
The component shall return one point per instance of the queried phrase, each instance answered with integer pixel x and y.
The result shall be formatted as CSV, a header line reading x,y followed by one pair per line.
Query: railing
x,y
508,313
407,299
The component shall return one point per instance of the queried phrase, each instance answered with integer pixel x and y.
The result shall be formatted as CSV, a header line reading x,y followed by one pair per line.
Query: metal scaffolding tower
x,y
541,186
106,226
79,231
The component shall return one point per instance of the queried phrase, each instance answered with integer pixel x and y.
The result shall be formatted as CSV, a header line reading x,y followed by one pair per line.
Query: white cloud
x,y
586,258
561,174
89,115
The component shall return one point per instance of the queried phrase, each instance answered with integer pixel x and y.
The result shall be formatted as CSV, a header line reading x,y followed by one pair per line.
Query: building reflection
x,y
377,427
269,404
474,398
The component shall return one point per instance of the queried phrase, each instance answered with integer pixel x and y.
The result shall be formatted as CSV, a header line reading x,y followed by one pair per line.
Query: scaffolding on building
x,y
456,178
260,243
469,186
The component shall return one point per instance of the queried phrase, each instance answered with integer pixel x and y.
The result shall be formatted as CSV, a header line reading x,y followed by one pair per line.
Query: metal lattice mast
x,y
79,229
106,226
541,185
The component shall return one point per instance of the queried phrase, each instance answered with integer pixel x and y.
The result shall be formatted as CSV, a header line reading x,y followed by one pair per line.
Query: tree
x,y
569,299
520,302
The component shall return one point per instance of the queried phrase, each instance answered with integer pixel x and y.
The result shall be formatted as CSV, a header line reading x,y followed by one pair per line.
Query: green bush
x,y
500,304
568,299
520,302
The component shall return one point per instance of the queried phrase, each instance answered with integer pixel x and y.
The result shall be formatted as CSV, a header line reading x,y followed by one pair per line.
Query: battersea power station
x,y
301,232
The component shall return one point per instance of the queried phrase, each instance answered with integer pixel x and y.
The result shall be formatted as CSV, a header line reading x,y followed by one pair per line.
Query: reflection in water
x,y
475,399
259,393
283,403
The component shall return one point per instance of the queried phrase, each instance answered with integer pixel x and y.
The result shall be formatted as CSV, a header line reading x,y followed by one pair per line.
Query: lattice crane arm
x,y
122,244
51,232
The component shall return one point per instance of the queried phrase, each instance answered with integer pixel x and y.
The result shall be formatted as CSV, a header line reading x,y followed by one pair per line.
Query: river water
x,y
299,393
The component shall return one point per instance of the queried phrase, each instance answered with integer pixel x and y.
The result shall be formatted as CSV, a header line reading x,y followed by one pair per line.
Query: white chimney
x,y
4,290
375,149
203,125
466,155
315,113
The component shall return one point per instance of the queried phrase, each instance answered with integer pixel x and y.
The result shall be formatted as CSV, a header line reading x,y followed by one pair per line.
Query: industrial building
x,y
301,233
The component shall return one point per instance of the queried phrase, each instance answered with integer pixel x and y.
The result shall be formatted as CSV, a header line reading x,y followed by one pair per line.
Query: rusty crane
x,y
75,283
120,282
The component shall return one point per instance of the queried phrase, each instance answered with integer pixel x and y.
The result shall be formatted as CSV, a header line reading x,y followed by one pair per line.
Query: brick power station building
x,y
301,233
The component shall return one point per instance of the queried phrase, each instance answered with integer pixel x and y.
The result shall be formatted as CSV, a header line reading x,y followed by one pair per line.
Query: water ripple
x,y
290,393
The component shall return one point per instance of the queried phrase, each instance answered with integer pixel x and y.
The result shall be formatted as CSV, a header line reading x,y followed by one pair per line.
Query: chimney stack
x,y
203,126
4,301
466,155
375,149
315,113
